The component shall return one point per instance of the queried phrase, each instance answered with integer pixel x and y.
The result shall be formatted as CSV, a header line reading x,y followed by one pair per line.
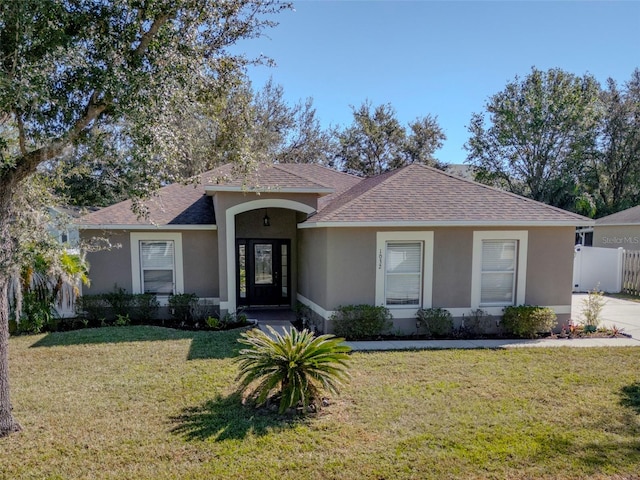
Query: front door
x,y
263,271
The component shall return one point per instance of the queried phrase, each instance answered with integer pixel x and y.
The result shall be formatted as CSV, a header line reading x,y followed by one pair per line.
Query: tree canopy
x,y
376,142
105,74
540,129
562,139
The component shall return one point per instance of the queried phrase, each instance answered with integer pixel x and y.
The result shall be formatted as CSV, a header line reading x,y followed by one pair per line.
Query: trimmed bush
x,y
355,322
528,321
182,306
438,322
144,307
295,367
92,308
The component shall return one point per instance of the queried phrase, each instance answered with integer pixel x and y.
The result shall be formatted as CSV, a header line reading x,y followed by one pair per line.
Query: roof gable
x,y
630,216
424,195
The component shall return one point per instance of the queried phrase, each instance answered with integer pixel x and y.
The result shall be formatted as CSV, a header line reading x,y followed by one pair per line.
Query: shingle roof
x,y
630,216
421,194
175,204
179,204
414,194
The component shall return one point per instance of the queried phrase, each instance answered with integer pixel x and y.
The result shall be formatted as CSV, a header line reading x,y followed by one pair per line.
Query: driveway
x,y
623,314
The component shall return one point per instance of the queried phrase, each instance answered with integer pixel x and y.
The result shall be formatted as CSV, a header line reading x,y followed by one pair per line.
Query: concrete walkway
x,y
623,314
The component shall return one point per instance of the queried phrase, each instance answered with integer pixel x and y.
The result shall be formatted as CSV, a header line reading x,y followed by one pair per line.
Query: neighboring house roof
x,y
422,195
630,216
413,196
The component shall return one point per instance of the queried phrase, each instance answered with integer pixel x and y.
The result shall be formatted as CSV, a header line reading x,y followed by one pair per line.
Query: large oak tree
x,y
539,132
73,71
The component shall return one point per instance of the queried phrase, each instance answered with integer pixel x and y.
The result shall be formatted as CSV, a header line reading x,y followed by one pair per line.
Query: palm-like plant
x,y
297,365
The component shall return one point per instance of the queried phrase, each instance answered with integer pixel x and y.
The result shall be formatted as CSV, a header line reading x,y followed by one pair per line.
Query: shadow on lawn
x,y
225,418
204,345
630,396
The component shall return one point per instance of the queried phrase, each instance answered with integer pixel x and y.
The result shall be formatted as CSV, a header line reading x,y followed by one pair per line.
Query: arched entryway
x,y
260,258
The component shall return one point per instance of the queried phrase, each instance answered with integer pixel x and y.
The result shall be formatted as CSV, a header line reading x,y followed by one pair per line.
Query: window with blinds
x,y
157,267
403,273
498,274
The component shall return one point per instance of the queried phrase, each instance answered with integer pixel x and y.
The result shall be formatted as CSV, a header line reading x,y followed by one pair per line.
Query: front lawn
x,y
154,403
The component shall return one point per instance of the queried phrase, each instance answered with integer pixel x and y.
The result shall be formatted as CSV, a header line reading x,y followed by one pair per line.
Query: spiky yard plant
x,y
298,366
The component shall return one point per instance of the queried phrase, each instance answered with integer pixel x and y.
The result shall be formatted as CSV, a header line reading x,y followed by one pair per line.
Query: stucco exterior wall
x,y
550,266
108,267
312,265
223,201
346,272
616,236
351,266
453,251
200,259
111,267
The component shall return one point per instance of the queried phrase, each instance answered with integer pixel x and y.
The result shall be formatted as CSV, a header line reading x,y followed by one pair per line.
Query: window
x,y
498,275
403,273
157,267
404,269
156,263
498,269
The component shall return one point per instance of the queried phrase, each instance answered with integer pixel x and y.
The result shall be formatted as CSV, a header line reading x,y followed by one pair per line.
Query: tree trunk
x,y
7,423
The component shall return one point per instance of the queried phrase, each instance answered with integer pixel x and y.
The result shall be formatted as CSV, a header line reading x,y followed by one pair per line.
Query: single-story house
x,y
410,238
620,229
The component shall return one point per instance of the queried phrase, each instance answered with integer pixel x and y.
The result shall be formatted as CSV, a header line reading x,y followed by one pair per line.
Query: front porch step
x,y
280,326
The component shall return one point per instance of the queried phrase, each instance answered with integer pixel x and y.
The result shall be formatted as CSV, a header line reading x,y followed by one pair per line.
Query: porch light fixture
x,y
266,221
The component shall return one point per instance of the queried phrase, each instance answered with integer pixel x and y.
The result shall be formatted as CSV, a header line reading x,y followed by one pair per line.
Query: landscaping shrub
x,y
591,309
92,308
181,307
361,321
144,308
295,367
479,322
37,314
120,301
438,322
527,321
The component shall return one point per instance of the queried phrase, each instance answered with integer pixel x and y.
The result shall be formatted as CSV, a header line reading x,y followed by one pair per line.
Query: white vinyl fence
x,y
598,268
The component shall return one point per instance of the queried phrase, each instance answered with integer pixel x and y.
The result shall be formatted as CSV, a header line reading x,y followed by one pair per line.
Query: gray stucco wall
x,y
312,265
338,267
200,258
452,255
108,267
111,267
550,266
616,236
222,201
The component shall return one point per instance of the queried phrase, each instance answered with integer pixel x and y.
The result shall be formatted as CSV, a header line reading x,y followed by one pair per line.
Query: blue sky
x,y
439,58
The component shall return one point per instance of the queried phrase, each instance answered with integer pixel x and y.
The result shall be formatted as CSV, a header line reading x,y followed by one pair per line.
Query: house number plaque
x,y
380,260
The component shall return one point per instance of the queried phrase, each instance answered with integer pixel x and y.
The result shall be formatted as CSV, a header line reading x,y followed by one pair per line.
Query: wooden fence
x,y
631,272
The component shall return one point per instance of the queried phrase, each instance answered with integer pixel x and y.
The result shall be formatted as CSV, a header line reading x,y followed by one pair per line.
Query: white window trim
x,y
136,273
522,237
427,267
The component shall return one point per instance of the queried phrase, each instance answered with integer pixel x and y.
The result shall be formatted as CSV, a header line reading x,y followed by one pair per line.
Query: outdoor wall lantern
x,y
266,221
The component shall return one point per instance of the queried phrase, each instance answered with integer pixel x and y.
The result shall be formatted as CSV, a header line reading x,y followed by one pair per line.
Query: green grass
x,y
152,403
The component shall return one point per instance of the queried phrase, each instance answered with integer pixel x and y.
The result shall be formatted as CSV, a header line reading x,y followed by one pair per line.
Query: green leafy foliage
x,y
296,367
181,307
376,142
592,309
438,322
539,131
528,321
361,321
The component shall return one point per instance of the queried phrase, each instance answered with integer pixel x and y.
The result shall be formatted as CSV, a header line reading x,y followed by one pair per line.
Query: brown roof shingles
x,y
630,216
175,204
411,194
417,193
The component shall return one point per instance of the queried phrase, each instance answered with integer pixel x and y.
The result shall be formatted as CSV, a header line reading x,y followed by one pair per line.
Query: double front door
x,y
263,271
